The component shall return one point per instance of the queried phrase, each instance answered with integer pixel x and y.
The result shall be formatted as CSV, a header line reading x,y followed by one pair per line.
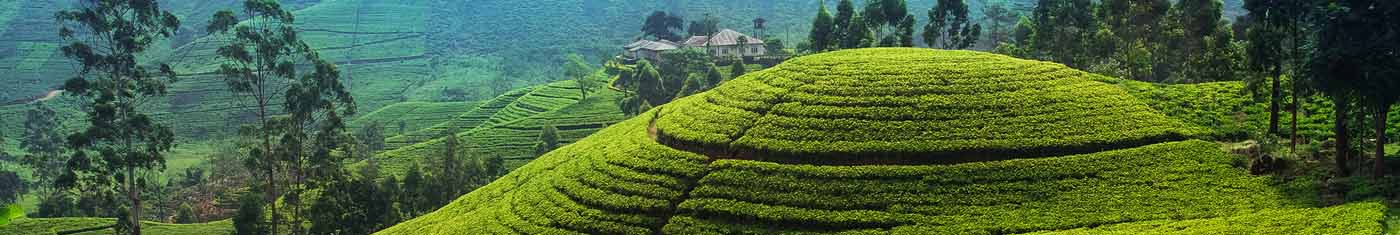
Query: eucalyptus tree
x,y
107,38
298,99
45,146
577,69
822,35
845,12
1266,51
1357,56
949,26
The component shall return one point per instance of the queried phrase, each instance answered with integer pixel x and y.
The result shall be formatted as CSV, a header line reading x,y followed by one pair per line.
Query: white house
x,y
723,44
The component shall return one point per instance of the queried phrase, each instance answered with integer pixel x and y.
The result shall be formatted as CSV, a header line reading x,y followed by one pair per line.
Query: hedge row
x,y
1177,180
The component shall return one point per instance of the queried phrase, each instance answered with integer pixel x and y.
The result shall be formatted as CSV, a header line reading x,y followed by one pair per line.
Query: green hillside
x,y
509,125
622,180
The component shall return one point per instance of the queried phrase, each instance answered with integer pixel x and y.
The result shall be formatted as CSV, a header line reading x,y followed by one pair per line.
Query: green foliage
x,y
736,70
11,187
250,219
372,136
706,26
121,139
549,140
579,70
1224,108
45,146
821,36
260,65
858,34
949,26
662,26
353,205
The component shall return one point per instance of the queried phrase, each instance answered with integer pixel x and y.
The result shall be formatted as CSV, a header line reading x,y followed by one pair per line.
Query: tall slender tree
x,y
1000,20
845,11
1266,34
107,37
1356,48
577,68
950,27
45,146
858,35
822,25
264,62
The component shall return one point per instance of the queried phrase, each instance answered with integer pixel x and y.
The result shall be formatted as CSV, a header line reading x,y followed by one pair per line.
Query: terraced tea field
x,y
509,125
814,146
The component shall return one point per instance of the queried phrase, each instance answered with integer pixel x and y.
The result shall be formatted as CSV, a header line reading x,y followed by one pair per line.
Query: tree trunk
x,y
1382,111
1339,126
1274,99
1293,146
134,218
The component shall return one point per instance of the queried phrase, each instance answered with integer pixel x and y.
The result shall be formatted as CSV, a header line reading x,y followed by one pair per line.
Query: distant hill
x,y
894,141
412,40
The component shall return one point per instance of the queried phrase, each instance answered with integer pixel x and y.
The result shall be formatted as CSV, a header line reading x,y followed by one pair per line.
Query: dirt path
x,y
51,95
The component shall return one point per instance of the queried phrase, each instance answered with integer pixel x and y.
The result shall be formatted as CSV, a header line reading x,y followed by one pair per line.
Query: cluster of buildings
x,y
726,43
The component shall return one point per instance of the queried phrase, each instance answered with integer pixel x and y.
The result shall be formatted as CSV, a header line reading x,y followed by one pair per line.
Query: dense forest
x,y
699,117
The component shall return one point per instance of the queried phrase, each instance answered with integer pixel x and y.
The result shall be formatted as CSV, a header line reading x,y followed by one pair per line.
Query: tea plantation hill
x,y
893,141
507,126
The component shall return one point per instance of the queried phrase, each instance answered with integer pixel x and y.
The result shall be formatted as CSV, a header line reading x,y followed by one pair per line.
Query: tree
x,y
495,167
649,85
1000,20
1356,56
878,14
107,39
372,136
262,64
45,146
691,86
737,69
249,219
1266,50
548,141
713,78
415,191
949,27
450,177
709,25
578,70
858,35
11,187
501,85
661,26
821,35
905,32
353,205
845,12
1063,30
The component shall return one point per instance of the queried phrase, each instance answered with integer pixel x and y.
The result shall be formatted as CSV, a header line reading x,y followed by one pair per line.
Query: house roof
x,y
725,37
651,45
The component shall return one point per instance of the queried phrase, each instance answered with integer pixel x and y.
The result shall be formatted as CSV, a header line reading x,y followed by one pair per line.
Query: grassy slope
x,y
509,126
1219,106
53,225
414,115
620,181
